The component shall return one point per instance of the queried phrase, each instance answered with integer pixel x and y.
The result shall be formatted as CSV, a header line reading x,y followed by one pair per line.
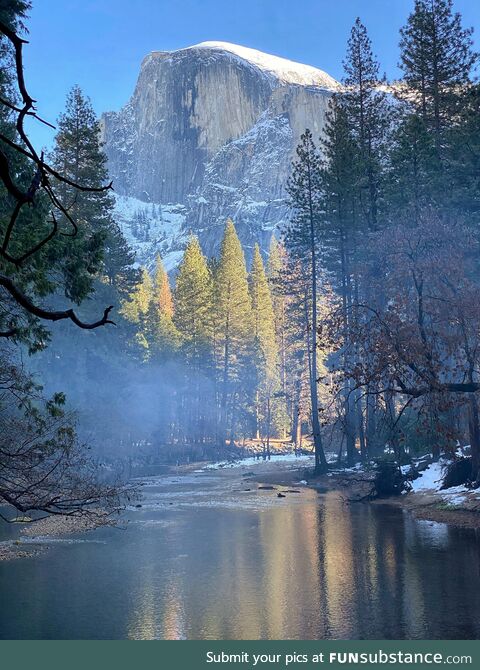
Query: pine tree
x,y
97,259
276,270
413,183
338,178
162,291
353,179
136,307
98,243
301,239
118,260
437,58
293,283
161,335
233,326
463,159
193,306
341,232
160,332
262,310
367,114
265,345
194,320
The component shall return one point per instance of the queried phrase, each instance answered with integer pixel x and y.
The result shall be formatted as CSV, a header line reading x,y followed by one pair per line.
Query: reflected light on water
x,y
212,561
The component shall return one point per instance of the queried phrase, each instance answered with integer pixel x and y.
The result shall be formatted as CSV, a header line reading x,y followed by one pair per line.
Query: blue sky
x,y
99,44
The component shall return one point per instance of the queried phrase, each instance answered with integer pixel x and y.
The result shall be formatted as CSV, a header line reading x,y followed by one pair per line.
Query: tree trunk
x,y
268,427
360,427
321,465
371,421
350,427
395,442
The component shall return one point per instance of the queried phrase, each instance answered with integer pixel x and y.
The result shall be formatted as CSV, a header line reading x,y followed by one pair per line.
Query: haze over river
x,y
204,558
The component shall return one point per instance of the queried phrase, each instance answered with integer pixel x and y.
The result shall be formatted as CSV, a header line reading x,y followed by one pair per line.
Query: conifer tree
x,y
437,58
193,306
340,231
262,310
97,246
98,242
265,345
353,182
339,227
301,238
118,261
413,172
367,114
136,307
161,335
463,159
194,320
276,270
160,332
293,284
162,291
233,325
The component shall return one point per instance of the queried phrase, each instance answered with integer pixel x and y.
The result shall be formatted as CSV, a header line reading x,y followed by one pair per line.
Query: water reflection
x,y
306,566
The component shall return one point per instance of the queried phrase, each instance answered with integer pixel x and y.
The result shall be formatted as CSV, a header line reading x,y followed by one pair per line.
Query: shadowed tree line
x,y
387,203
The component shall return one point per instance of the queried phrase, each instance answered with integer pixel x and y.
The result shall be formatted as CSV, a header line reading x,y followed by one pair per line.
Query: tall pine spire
x,y
301,239
265,344
162,290
194,305
437,58
367,114
233,322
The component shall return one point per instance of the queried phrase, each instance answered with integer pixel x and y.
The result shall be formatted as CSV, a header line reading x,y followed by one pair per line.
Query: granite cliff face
x,y
210,133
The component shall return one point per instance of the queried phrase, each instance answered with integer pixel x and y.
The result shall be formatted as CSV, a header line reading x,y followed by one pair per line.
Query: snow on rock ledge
x,y
287,71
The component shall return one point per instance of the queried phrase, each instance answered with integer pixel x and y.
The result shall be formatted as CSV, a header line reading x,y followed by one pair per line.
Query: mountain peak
x,y
282,69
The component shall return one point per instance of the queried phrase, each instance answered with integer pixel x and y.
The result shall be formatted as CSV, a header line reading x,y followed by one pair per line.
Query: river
x,y
204,558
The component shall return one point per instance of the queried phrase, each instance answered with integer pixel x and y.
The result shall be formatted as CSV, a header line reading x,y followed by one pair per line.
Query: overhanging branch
x,y
51,315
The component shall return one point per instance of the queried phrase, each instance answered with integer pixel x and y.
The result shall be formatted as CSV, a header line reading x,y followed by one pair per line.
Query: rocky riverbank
x,y
32,537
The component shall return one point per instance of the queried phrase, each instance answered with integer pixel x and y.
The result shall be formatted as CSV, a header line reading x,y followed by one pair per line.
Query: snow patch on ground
x,y
431,478
247,462
431,481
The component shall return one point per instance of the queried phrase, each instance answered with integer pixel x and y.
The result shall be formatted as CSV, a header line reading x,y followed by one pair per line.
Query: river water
x,y
204,558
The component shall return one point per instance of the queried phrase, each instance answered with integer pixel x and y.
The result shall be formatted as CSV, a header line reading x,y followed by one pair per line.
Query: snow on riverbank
x,y
431,481
303,460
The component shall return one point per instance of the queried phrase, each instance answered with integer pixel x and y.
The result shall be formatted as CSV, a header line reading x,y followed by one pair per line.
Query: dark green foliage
x,y
99,244
368,119
437,59
413,173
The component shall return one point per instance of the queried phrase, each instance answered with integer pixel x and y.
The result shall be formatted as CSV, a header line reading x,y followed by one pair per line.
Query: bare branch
x,y
51,315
